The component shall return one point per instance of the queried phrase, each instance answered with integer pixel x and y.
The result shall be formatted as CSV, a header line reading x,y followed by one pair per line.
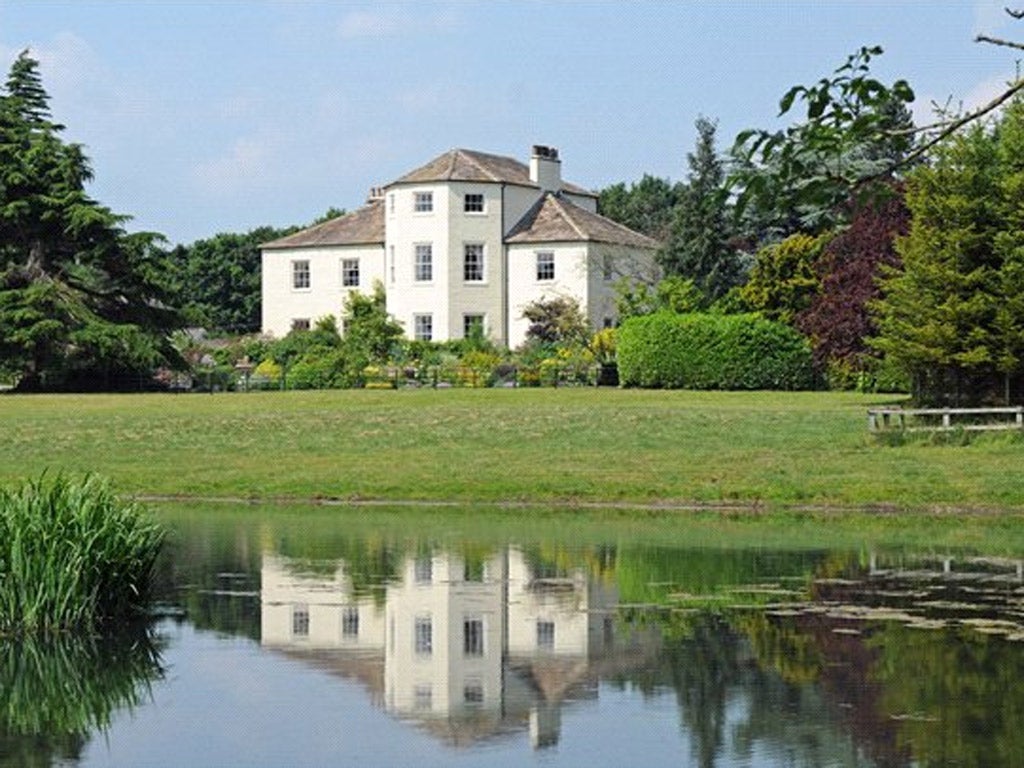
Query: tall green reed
x,y
72,555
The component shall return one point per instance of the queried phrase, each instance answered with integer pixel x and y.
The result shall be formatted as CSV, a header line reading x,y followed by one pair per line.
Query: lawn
x,y
581,446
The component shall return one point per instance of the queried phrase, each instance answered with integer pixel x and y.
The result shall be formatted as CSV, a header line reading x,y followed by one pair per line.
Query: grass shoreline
x,y
758,451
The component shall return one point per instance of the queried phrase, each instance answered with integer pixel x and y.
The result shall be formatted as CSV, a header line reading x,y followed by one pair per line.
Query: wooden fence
x,y
945,419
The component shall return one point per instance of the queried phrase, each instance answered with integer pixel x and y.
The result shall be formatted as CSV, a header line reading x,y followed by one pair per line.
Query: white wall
x,y
404,229
282,592
571,279
282,304
478,298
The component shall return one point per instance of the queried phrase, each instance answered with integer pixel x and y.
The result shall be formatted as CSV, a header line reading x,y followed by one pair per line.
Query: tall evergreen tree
x,y
81,301
700,247
948,317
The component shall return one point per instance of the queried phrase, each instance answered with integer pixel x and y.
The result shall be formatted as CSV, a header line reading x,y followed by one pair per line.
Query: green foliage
x,y
673,293
556,321
646,206
703,351
952,318
371,334
700,247
217,280
783,281
854,131
82,303
73,684
72,555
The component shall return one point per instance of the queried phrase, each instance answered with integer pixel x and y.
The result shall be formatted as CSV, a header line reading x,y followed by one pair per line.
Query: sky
x,y
222,116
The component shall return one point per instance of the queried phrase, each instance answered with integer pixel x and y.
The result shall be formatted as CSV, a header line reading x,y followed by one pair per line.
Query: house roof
x,y
469,165
553,218
364,226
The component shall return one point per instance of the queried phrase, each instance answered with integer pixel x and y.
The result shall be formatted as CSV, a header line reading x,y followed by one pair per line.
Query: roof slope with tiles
x,y
554,219
469,165
363,226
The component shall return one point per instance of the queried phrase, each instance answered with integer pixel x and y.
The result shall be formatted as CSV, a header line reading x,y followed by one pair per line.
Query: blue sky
x,y
222,116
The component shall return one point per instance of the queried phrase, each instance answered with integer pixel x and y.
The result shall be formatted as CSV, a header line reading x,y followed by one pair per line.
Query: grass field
x,y
562,446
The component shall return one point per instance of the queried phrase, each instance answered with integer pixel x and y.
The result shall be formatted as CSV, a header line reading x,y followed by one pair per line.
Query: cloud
x,y
244,166
989,17
394,22
980,94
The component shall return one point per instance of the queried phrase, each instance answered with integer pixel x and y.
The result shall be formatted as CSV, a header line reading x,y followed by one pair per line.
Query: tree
x,y
700,246
950,316
556,321
856,131
838,320
647,206
783,282
370,332
217,280
82,303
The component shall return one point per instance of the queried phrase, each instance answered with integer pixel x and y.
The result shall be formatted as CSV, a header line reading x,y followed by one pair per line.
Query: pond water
x,y
280,643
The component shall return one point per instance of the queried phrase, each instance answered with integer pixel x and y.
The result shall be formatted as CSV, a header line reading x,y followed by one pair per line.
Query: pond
x,y
361,637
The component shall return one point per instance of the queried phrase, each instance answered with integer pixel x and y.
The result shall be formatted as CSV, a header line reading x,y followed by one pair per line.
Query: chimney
x,y
375,193
546,168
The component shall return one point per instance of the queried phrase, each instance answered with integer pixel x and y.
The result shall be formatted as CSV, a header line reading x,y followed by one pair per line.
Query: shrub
x,y
72,555
705,351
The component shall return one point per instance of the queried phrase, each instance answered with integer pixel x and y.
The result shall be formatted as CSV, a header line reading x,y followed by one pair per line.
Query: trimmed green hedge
x,y
703,351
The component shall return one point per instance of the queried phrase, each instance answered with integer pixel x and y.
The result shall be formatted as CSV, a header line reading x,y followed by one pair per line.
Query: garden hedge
x,y
706,351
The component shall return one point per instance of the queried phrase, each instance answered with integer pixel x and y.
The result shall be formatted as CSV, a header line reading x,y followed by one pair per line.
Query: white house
x,y
469,238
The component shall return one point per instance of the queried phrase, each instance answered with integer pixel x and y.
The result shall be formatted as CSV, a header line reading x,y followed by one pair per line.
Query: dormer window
x,y
423,202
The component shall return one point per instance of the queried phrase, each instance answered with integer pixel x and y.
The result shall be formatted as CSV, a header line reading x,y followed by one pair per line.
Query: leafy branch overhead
x,y
855,130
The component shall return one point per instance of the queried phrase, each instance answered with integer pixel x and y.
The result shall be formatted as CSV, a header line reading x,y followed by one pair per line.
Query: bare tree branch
x,y
998,41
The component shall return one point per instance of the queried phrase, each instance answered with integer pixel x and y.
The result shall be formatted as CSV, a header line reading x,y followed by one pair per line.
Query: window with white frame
x,y
473,637
545,265
423,569
423,697
423,634
350,273
300,620
423,327
608,322
424,267
607,268
391,203
473,263
472,324
545,635
473,693
300,324
473,203
300,275
391,261
423,202
350,622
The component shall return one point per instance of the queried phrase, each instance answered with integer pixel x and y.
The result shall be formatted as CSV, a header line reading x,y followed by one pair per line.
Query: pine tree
x,y
937,319
81,301
699,247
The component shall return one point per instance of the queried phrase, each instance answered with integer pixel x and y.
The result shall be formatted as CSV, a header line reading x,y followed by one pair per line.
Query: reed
x,y
72,555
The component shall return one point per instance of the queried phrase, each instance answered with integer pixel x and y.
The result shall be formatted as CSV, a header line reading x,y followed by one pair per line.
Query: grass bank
x,y
547,446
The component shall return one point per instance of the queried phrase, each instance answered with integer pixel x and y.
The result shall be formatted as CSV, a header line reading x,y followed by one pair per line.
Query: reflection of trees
x,y
702,665
956,694
55,693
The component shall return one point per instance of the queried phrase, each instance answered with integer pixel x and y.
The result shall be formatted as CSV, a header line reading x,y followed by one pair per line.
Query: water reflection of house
x,y
315,616
466,648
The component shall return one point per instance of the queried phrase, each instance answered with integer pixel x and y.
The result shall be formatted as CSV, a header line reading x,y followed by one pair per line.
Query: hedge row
x,y
702,351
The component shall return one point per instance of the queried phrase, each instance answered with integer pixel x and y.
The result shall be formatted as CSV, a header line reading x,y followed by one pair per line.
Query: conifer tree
x,y
937,319
81,301
699,247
